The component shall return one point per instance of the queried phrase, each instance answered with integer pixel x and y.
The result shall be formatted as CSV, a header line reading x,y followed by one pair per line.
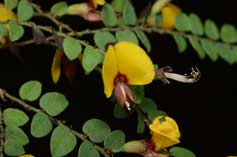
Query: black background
x,y
205,111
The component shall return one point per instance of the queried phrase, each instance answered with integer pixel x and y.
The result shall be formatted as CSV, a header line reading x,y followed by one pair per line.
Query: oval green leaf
x,y
147,105
114,140
181,152
40,125
126,35
210,50
59,8
87,150
140,122
225,52
72,47
182,22
129,14
138,93
30,90
119,5
62,141
228,33
181,42
10,4
211,29
24,10
196,45
144,39
155,113
96,129
14,117
103,38
3,30
196,24
109,17
15,31
53,103
13,149
16,134
91,58
119,112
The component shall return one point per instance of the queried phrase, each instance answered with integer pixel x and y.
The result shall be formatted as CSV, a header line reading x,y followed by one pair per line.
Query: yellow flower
x,y
126,63
169,14
98,2
26,155
56,66
6,14
165,132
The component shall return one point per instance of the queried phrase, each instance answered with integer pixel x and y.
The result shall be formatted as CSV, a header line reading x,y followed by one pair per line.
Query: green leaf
x,y
14,117
196,24
24,10
62,141
15,31
114,140
91,58
228,33
211,29
16,134
210,50
182,22
129,15
108,15
96,129
155,113
119,112
103,38
119,5
196,45
144,39
59,8
181,152
225,52
140,123
181,42
40,125
11,148
53,103
3,30
147,105
72,47
87,150
138,93
126,35
10,4
30,90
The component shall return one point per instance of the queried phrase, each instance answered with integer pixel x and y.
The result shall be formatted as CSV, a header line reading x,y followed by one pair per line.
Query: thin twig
x,y
5,95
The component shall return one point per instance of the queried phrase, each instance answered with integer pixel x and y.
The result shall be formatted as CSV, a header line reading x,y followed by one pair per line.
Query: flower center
x,y
120,78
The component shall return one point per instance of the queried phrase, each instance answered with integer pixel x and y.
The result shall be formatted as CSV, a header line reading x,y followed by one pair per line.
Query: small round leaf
x,y
71,47
181,152
13,149
211,29
87,150
210,50
40,125
24,10
15,31
96,129
103,38
196,45
53,103
108,15
129,14
30,90
147,105
181,42
114,140
16,134
144,39
126,35
59,8
10,4
228,33
182,22
14,117
62,141
196,24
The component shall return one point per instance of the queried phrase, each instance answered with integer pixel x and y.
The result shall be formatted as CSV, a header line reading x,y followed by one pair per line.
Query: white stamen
x,y
127,105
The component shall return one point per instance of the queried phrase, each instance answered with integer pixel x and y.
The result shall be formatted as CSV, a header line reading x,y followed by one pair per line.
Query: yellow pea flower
x,y
6,14
97,2
165,132
169,14
26,155
56,66
128,63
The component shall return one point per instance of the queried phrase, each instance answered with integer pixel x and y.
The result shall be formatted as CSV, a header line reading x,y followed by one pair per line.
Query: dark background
x,y
205,111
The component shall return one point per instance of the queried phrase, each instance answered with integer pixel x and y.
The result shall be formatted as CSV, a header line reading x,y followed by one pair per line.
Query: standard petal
x,y
100,2
134,63
165,132
169,14
56,66
6,14
109,70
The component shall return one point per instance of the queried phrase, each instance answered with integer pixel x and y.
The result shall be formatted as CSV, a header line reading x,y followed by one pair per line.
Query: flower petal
x,y
164,133
100,2
6,14
134,63
56,66
169,14
109,70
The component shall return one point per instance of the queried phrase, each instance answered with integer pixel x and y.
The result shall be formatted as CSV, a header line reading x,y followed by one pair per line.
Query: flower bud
x,y
136,146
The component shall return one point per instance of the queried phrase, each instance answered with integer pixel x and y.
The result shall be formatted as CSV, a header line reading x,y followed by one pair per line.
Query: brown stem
x,y
5,95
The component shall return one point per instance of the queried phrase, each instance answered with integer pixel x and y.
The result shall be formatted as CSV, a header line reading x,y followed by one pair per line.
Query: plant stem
x,y
5,95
